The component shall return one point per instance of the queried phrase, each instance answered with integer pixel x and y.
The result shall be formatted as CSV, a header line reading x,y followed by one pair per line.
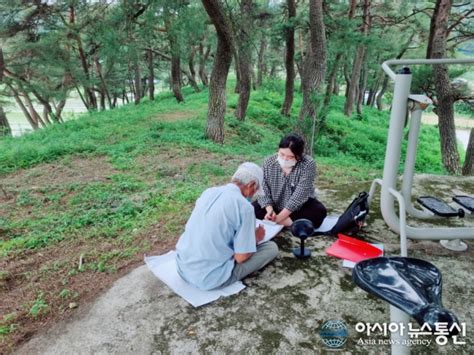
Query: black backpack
x,y
352,220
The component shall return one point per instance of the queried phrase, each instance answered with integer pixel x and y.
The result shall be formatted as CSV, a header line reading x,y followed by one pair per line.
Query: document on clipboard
x,y
271,229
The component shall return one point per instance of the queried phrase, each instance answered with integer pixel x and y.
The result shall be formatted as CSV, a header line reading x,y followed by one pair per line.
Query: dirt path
x,y
460,122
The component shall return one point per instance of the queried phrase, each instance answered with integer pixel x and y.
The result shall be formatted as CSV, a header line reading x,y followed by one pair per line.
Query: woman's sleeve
x,y
266,200
304,189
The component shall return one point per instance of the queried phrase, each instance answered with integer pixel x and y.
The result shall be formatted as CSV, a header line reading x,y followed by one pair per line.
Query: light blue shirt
x,y
221,225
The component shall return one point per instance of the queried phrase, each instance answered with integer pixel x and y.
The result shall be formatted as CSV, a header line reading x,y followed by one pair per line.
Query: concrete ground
x,y
283,307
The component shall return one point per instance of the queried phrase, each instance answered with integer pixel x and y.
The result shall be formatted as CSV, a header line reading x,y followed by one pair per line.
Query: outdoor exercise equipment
x,y
410,284
401,103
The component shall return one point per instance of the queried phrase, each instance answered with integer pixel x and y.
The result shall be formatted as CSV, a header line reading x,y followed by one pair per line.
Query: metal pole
x,y
394,143
409,167
399,341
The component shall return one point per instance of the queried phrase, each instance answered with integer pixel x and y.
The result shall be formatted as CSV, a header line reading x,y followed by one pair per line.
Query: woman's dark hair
x,y
295,143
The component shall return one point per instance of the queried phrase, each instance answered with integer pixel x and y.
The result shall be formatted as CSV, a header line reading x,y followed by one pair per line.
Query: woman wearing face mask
x,y
288,184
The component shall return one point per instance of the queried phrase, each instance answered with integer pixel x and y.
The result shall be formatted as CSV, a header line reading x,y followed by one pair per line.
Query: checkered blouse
x,y
290,191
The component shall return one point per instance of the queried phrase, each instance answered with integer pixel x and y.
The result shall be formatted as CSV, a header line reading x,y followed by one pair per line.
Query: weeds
x,y
39,306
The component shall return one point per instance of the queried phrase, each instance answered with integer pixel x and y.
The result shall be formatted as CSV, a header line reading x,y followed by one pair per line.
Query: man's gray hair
x,y
248,172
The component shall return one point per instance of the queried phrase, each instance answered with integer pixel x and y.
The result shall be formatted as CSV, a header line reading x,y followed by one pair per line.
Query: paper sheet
x,y
351,264
328,223
164,267
271,229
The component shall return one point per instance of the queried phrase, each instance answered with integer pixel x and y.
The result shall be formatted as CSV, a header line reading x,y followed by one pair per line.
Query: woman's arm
x,y
304,189
266,201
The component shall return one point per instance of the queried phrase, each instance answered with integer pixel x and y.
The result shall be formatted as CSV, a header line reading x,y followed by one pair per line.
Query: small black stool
x,y
302,228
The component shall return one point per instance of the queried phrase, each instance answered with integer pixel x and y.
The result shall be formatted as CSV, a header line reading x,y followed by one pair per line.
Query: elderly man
x,y
219,243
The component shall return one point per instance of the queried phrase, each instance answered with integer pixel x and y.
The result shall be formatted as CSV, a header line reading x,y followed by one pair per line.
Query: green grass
x,y
132,200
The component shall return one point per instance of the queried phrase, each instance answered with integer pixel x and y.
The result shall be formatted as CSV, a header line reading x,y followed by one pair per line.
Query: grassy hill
x,y
81,202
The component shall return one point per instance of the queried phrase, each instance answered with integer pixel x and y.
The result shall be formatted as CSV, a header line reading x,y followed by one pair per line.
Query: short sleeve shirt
x,y
221,225
287,191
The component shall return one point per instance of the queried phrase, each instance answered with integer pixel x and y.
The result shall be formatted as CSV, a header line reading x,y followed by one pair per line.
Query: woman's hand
x,y
283,217
270,216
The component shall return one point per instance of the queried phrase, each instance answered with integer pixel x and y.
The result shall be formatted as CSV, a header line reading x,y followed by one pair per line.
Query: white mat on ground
x,y
164,267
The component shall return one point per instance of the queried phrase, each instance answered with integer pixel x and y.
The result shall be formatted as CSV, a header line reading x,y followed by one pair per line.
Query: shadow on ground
x,y
283,307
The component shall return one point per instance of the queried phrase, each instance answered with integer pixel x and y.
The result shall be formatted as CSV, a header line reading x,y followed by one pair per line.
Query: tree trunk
x,y
379,99
33,113
261,65
83,99
444,91
237,75
314,68
352,8
34,124
354,81
59,109
89,92
220,70
244,59
5,129
191,81
332,80
102,99
2,64
151,75
375,87
192,72
137,82
66,84
347,79
363,86
245,85
47,111
175,68
358,62
203,55
125,97
289,59
468,167
36,119
104,91
253,78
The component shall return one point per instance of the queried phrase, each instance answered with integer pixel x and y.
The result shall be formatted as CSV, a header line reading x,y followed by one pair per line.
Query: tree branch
x,y
459,20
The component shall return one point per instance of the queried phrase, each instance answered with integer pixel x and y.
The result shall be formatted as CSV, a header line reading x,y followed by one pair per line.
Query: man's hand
x,y
259,233
241,258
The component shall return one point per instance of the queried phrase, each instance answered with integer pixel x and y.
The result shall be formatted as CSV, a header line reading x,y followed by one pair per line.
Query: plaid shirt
x,y
290,191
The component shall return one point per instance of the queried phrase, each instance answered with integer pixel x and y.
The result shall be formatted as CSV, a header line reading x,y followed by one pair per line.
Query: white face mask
x,y
286,164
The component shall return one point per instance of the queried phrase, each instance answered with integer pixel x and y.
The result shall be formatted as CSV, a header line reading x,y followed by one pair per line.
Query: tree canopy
x,y
113,52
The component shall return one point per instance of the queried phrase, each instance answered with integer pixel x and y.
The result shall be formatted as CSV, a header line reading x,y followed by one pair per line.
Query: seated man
x,y
218,246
